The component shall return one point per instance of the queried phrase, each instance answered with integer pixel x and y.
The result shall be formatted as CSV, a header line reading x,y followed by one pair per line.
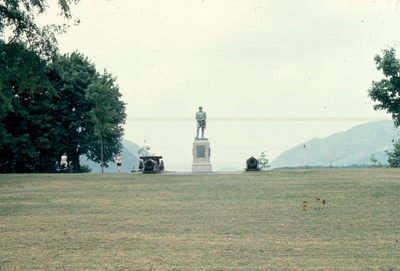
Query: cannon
x,y
252,164
151,164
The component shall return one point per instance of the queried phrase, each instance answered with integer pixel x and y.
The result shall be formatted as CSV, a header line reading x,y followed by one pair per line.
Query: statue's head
x,y
200,108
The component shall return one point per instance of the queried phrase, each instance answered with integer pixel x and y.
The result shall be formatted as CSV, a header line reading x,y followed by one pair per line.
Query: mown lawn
x,y
252,221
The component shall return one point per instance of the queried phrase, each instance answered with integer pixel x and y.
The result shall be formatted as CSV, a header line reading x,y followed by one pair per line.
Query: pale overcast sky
x,y
269,73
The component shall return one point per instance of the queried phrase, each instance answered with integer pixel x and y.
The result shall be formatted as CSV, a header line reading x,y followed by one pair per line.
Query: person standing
x,y
118,160
64,160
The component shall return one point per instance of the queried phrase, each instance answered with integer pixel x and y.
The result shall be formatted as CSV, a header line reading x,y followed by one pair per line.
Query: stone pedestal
x,y
201,156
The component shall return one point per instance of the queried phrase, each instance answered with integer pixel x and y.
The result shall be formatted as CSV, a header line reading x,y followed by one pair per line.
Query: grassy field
x,y
252,221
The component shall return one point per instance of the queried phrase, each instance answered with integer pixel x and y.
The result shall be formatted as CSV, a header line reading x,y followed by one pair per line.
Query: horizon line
x,y
262,119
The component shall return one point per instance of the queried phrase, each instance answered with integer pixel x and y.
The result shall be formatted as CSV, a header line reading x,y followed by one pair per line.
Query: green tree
x,y
49,109
144,150
44,110
386,92
263,161
89,109
71,75
394,156
26,93
18,18
108,116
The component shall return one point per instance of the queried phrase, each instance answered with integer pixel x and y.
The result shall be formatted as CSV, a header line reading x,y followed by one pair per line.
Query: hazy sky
x,y
269,73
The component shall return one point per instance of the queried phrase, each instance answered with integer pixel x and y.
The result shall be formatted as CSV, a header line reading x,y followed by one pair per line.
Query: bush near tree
x,y
263,161
394,156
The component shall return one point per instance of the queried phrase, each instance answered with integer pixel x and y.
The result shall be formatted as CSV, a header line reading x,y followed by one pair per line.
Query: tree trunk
x,y
75,161
101,154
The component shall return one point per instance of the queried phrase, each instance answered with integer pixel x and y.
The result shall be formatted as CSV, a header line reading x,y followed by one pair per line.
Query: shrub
x,y
394,156
85,169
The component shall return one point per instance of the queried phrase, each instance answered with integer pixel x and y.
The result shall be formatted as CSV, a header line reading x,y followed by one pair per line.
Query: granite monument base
x,y
201,156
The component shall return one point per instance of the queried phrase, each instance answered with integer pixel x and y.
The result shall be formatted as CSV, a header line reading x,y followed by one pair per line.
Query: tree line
x,y
51,103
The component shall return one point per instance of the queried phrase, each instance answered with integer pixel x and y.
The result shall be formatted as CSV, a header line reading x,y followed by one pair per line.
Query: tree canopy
x,y
386,93
26,102
107,115
18,18
62,106
49,103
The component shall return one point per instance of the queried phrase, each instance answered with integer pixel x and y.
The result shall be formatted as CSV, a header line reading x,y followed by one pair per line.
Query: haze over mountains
x,y
354,146
129,159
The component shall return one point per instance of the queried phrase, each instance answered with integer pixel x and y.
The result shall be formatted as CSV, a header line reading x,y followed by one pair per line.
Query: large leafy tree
x,y
71,75
17,24
26,93
65,106
17,21
47,107
386,93
108,115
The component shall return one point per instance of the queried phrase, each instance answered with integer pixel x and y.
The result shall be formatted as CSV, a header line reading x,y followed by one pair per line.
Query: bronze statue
x,y
201,117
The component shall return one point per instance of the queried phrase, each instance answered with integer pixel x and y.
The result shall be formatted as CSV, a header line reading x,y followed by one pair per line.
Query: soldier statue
x,y
201,117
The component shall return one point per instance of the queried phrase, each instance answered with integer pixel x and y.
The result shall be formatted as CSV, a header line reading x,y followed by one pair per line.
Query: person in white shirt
x,y
118,160
64,160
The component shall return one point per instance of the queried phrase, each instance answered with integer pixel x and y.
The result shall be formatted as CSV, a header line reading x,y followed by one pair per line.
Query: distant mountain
x,y
354,146
129,159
